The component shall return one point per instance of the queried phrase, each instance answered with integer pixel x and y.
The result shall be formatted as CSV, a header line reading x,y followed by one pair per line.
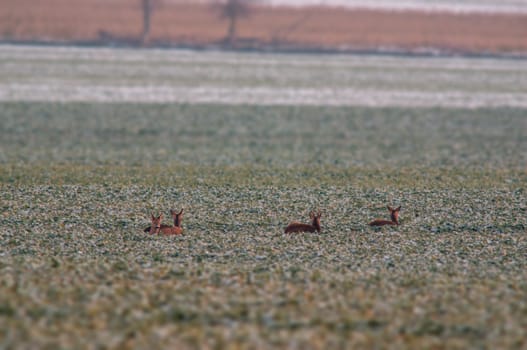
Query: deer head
x,y
394,214
315,218
177,217
156,223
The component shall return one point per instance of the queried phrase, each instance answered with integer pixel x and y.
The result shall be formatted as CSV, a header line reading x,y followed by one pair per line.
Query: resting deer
x,y
164,229
394,215
178,217
299,227
156,224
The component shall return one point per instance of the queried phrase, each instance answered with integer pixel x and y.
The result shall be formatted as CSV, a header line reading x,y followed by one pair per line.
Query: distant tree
x,y
148,7
233,10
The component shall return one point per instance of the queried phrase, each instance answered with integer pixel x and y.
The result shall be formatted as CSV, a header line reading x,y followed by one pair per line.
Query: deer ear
x,y
160,216
389,208
181,212
152,215
398,208
172,212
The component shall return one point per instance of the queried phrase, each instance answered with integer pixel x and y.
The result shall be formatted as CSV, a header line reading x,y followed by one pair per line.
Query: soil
x,y
119,22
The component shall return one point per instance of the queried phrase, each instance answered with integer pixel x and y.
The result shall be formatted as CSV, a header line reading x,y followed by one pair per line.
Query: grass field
x,y
78,181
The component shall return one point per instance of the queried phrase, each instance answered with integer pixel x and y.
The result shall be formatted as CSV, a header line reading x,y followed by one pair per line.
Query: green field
x,y
79,180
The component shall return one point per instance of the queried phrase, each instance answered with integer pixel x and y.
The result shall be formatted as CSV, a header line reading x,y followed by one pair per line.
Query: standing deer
x,y
299,227
394,215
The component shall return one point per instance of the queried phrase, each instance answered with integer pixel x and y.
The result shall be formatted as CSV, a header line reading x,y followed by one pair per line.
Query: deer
x,y
394,215
165,229
295,226
156,223
178,217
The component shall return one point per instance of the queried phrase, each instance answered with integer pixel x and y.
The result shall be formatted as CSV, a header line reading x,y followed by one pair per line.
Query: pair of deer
x,y
157,227
315,222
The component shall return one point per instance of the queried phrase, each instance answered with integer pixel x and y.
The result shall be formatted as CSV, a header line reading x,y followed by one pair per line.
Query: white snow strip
x,y
258,96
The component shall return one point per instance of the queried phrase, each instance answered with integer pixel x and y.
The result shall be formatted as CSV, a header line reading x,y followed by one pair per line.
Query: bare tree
x,y
148,7
233,10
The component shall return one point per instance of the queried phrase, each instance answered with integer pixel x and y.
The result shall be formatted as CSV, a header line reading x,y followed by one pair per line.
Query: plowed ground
x,y
315,27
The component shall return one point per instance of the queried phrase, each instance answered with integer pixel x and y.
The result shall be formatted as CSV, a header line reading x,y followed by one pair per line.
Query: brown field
x,y
315,27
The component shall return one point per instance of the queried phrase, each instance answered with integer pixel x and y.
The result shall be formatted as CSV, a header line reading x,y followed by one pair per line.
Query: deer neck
x,y
177,221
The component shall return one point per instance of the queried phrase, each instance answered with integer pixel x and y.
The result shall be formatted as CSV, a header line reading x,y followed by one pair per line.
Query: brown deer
x,y
156,226
394,215
177,222
300,227
178,217
156,223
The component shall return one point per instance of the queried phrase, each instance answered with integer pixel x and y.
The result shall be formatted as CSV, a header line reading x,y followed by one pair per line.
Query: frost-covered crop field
x,y
92,141
165,76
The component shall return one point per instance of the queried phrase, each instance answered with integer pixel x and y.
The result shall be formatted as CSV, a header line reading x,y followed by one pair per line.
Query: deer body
x,y
171,230
394,215
165,229
295,226
379,222
149,229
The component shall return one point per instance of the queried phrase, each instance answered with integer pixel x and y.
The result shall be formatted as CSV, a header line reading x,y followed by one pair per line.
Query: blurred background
x,y
442,26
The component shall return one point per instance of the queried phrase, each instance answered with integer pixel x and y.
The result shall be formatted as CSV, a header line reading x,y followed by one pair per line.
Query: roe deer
x,y
156,224
299,227
164,229
394,215
178,217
